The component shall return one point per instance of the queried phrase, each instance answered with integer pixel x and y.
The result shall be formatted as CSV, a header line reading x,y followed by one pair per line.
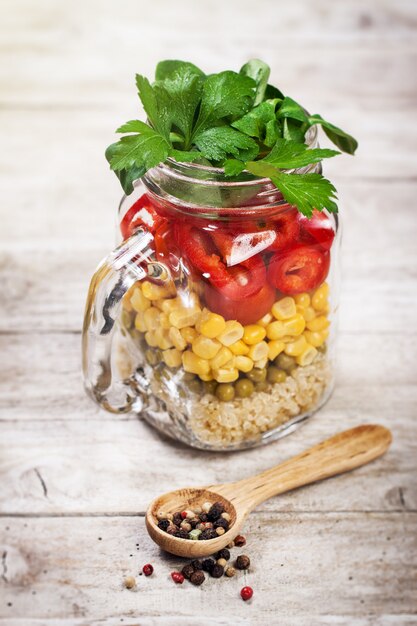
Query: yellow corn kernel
x,y
151,339
138,301
274,348
223,356
319,323
176,338
320,297
295,325
140,323
156,292
162,336
302,300
205,347
210,324
127,305
195,364
169,305
261,363
244,363
206,377
172,358
180,318
164,321
239,348
189,334
284,308
265,320
316,338
253,333
308,313
226,375
232,332
275,330
258,351
307,357
297,347
151,317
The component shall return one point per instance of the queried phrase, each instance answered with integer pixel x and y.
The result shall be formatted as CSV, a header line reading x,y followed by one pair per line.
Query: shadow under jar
x,y
215,317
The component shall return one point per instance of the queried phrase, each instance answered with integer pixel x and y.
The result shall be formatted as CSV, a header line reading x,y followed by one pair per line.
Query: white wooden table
x,y
75,481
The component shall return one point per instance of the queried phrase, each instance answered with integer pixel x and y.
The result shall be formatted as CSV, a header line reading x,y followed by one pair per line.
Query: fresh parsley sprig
x,y
233,120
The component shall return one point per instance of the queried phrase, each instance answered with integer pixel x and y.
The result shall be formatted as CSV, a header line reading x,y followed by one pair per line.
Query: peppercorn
x,y
197,578
147,569
194,522
197,510
208,564
230,571
240,541
242,561
222,562
215,511
206,507
223,554
197,564
221,523
163,524
177,577
203,517
226,516
187,570
177,519
172,529
194,534
246,593
208,533
181,534
220,531
161,515
185,526
217,571
183,514
129,582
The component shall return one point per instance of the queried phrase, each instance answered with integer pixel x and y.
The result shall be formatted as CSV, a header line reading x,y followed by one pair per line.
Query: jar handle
x,y
130,262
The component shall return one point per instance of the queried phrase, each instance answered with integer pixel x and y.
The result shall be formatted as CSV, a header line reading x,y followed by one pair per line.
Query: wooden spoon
x,y
341,453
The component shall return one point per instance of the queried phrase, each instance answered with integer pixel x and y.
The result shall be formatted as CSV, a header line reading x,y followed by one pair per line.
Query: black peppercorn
x,y
203,517
240,541
197,578
215,511
209,533
164,524
187,570
222,523
194,521
182,534
217,571
197,564
242,562
223,554
177,518
208,564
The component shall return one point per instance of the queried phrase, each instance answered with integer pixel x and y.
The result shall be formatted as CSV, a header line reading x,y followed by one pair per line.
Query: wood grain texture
x,y
339,553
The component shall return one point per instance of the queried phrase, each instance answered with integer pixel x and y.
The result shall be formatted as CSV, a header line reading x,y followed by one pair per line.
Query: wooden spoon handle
x,y
341,453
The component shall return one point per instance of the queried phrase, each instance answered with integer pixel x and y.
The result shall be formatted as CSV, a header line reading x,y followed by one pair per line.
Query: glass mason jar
x,y
215,318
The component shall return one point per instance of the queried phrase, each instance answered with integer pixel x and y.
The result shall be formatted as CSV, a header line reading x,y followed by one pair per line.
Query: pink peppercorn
x,y
246,593
147,569
177,577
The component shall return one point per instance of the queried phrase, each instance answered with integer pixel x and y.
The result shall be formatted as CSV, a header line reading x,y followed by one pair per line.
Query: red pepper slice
x,y
287,231
248,311
317,229
236,282
236,247
140,214
298,269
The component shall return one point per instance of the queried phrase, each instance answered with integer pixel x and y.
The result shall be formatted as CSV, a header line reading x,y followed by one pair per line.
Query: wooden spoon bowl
x,y
341,453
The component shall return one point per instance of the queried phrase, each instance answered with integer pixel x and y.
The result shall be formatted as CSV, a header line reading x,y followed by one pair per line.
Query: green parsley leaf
x,y
156,110
259,71
219,142
289,154
291,108
291,130
254,122
144,150
342,140
167,69
305,191
226,94
272,133
233,167
126,176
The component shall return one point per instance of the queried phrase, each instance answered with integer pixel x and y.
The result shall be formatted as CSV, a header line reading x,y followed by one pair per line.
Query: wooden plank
x,y
324,569
118,466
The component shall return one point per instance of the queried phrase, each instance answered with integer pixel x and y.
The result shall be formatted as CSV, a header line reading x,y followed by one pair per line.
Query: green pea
x,y
225,392
276,375
257,375
285,362
194,385
210,387
188,376
262,386
244,388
